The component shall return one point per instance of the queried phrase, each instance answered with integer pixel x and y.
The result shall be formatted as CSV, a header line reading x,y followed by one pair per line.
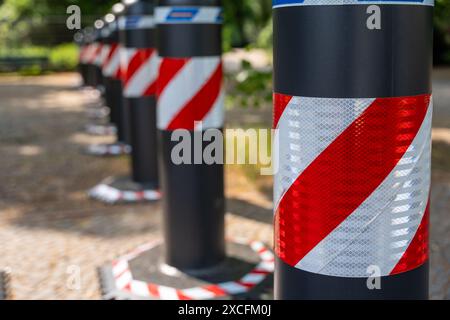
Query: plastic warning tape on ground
x,y
125,282
189,14
113,149
353,186
290,3
113,195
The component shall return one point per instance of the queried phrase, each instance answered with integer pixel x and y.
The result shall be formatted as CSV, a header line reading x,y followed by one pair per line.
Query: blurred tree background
x,y
30,27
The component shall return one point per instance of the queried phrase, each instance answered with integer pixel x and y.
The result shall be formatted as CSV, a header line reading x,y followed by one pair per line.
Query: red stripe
x,y
96,53
182,296
417,253
151,90
245,284
168,70
216,290
153,289
136,62
197,108
257,271
339,180
280,102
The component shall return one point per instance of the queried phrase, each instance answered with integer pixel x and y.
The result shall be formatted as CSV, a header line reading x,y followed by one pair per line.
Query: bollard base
x,y
124,190
109,149
247,273
101,130
98,113
4,286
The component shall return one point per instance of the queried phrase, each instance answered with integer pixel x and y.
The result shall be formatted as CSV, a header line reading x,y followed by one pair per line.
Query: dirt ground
x,y
49,228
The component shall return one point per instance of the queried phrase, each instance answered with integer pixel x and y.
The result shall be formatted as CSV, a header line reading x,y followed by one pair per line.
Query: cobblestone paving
x,y
53,238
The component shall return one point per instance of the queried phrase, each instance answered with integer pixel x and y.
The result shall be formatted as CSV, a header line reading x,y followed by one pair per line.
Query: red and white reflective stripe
x,y
140,71
82,54
124,278
103,56
96,51
90,53
353,183
190,90
111,66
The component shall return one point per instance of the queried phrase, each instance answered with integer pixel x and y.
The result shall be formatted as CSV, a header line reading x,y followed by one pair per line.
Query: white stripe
x,y
103,55
320,121
198,293
253,278
266,266
208,15
166,293
140,288
126,54
113,65
232,287
143,77
124,280
354,2
120,267
185,85
378,233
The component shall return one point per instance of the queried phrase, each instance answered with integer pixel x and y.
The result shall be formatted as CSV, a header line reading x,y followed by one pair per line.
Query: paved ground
x,y
49,230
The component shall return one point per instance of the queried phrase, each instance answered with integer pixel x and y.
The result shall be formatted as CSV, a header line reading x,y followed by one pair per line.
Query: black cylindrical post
x,y
353,112
113,79
99,56
190,92
140,64
82,47
89,55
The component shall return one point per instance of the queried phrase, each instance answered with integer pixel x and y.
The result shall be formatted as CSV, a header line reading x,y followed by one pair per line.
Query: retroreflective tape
x,y
199,15
137,22
352,189
292,3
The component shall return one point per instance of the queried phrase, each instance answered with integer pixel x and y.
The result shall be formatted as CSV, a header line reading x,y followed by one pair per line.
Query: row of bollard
x,y
352,109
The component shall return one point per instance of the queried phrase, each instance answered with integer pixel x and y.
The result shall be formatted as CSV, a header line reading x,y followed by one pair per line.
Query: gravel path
x,y
53,238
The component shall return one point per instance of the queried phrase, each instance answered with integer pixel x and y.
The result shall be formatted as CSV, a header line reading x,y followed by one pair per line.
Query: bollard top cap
x,y
139,7
202,3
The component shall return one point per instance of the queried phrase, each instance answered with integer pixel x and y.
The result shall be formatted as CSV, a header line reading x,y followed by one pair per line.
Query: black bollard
x,y
353,112
112,82
82,65
139,74
189,90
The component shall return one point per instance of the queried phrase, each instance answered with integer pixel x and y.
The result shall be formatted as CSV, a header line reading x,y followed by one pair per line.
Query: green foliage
x,y
250,88
64,57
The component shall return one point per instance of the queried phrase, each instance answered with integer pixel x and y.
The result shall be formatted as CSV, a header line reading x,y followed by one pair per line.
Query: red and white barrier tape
x,y
113,149
124,280
108,194
101,130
